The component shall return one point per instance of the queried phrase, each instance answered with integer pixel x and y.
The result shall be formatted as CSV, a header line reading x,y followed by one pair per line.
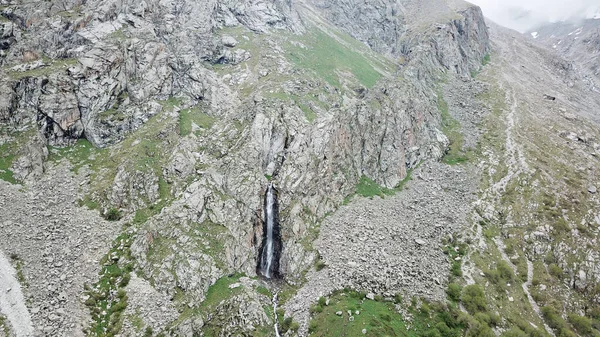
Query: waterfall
x,y
275,314
271,246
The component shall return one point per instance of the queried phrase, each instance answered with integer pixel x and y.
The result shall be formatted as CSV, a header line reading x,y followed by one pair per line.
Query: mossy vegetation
x,y
379,317
15,141
50,66
18,265
144,151
217,293
329,58
194,116
6,160
107,298
486,60
368,188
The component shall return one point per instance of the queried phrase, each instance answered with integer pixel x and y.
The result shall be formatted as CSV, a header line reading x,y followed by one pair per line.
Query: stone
x,y
364,331
235,285
592,189
229,41
339,313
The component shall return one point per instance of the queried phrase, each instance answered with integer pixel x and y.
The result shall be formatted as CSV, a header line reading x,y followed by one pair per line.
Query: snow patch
x,y
535,35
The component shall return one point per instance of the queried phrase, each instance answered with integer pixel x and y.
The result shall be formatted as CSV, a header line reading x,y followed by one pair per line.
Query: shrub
x,y
473,299
556,271
286,324
312,326
505,271
322,301
125,280
316,309
456,269
112,214
398,298
294,326
582,324
556,322
425,309
493,276
454,291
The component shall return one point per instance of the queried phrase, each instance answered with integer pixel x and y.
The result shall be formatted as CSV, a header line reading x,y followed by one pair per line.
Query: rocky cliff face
x,y
577,41
193,107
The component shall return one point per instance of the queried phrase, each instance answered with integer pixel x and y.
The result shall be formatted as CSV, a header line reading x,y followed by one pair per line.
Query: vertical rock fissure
x,y
270,251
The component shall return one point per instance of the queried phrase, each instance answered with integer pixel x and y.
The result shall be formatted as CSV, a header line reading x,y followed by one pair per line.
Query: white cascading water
x,y
267,258
276,318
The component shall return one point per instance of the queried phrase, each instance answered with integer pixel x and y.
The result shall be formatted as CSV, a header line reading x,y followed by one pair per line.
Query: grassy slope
x,y
549,195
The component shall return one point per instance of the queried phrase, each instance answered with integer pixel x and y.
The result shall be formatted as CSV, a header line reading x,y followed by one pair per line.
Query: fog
x,y
523,15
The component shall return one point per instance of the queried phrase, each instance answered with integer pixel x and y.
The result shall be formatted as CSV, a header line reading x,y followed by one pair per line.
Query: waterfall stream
x,y
271,246
270,220
275,314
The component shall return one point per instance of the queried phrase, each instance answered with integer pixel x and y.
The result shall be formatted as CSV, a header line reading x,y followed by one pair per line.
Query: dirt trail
x,y
12,302
515,161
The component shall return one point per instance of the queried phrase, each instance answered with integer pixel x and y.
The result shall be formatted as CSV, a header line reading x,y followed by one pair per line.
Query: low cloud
x,y
523,15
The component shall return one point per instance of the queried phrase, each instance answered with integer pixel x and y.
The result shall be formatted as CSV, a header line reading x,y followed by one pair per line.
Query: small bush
x,y
493,276
398,298
454,291
456,269
112,214
556,271
322,301
473,299
556,322
582,324
312,326
319,265
505,271
294,326
286,324
316,309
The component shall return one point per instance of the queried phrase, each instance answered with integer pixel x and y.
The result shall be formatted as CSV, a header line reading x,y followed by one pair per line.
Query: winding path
x,y
12,302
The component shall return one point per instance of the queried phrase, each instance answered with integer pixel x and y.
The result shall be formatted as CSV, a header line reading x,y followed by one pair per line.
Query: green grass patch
x,y
188,117
107,298
264,291
6,161
368,188
329,58
79,154
556,322
10,150
486,59
51,66
220,291
380,318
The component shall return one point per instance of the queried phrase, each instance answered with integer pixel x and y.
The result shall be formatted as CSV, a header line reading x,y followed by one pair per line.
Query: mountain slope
x,y
170,119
